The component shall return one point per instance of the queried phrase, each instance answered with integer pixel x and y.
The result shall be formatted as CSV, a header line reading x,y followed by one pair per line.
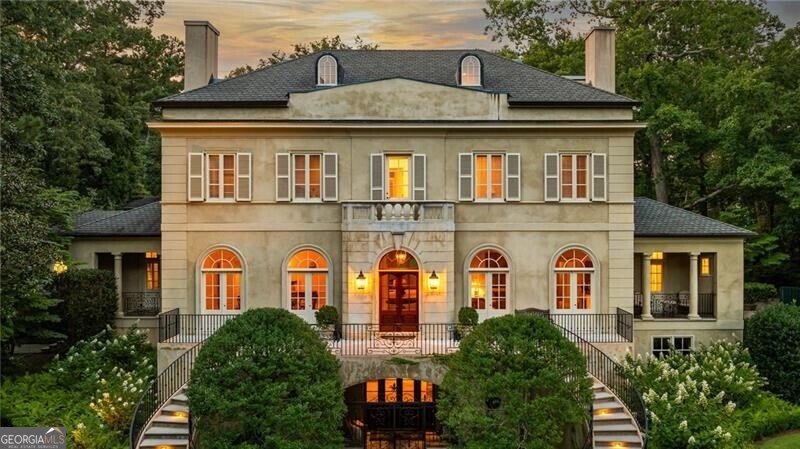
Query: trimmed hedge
x,y
327,316
766,416
89,302
467,316
755,292
266,380
773,337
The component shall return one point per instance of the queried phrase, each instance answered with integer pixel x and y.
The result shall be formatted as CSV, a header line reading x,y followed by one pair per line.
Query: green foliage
x,y
773,337
89,302
467,316
266,380
515,382
759,292
327,316
766,416
79,391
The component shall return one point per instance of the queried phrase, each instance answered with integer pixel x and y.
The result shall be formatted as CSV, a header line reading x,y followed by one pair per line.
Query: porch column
x,y
646,314
693,296
118,277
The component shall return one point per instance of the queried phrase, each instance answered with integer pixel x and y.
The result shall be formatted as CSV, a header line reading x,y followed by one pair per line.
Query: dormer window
x,y
326,71
470,71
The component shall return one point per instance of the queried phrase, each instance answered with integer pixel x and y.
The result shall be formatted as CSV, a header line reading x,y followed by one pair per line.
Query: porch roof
x,y
656,219
140,221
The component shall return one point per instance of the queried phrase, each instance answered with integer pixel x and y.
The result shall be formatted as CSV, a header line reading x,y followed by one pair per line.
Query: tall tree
x,y
717,90
304,49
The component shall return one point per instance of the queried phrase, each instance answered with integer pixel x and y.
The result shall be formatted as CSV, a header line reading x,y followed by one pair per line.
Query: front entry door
x,y
399,301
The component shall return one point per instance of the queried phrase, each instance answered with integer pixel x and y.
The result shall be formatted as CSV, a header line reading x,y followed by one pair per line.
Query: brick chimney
x,y
200,64
600,59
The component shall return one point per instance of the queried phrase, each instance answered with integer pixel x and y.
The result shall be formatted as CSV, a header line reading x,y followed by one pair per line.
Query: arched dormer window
x,y
327,73
471,71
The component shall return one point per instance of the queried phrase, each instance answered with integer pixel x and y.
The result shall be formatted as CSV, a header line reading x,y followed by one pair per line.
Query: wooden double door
x,y
399,301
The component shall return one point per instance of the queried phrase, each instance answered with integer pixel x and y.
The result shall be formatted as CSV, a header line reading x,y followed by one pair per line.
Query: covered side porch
x,y
675,284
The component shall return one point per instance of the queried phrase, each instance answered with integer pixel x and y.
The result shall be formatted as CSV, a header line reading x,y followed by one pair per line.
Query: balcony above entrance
x,y
397,216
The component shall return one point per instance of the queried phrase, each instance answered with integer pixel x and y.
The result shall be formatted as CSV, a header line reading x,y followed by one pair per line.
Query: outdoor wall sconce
x,y
59,267
361,280
401,257
433,281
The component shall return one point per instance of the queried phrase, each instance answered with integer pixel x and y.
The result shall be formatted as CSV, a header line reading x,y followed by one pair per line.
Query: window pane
x,y
426,391
391,390
298,291
584,290
213,176
372,391
229,176
566,176
656,275
563,296
498,291
478,290
314,176
408,390
212,291
398,167
481,176
497,176
300,176
233,291
582,175
319,289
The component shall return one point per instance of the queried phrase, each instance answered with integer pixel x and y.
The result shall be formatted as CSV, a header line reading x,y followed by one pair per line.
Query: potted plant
x,y
327,319
467,319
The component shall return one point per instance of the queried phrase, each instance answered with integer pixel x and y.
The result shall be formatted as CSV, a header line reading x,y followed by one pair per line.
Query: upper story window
x,y
575,177
470,71
219,177
152,270
307,176
657,272
398,168
705,265
398,177
327,73
489,177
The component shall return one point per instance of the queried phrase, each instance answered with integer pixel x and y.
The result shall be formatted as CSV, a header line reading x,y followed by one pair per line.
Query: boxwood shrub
x,y
755,292
266,380
89,302
773,337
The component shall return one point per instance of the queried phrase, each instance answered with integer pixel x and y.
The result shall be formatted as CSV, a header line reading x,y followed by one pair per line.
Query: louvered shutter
x,y
599,187
376,177
244,177
551,177
465,176
282,177
513,186
195,170
420,175
330,181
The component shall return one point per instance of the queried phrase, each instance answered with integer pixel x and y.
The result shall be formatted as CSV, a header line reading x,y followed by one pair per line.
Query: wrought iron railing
x,y
160,390
379,339
675,305
176,327
598,327
141,303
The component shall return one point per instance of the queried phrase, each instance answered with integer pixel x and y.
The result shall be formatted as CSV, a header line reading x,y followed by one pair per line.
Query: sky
x,y
253,29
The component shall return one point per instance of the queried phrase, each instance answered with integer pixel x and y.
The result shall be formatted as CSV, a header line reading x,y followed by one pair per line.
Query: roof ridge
x,y
693,213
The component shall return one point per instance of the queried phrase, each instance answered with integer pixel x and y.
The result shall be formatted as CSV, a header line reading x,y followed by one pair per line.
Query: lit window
x,y
657,272
151,255
574,176
152,270
372,391
488,275
489,176
663,346
574,270
308,283
705,266
222,282
326,71
221,176
307,175
471,71
397,175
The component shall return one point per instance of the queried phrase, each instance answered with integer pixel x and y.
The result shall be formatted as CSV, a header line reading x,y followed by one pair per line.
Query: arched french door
x,y
221,289
398,294
574,272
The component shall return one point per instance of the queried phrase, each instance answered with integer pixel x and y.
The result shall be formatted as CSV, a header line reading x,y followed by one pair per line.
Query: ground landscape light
x,y
60,267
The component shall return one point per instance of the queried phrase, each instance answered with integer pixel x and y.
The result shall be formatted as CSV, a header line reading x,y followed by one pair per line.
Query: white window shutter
x,y
513,186
420,176
465,176
330,176
551,177
196,171
244,177
376,177
282,177
599,187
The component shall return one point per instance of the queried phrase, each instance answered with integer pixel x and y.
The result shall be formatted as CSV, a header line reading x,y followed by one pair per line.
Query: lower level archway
x,y
392,413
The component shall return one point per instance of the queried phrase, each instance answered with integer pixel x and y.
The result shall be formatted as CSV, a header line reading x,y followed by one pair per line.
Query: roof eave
x,y
573,104
738,235
111,234
221,104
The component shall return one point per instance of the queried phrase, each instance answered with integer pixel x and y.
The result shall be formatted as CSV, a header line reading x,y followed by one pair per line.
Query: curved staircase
x,y
169,428
613,426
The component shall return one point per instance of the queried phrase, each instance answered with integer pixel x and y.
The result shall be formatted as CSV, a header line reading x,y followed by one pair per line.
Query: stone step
x,y
617,439
169,432
607,405
180,397
170,419
616,445
174,408
611,417
164,443
613,427
603,395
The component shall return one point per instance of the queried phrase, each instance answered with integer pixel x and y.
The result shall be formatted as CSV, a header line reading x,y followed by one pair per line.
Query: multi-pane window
x,y
662,346
326,71
488,280
152,270
222,282
657,272
221,176
399,390
470,71
397,176
574,176
574,270
705,266
307,176
308,283
489,177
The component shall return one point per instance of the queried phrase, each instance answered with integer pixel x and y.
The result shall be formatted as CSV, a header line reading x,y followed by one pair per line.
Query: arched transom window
x,y
470,71
326,71
488,283
308,273
222,282
574,270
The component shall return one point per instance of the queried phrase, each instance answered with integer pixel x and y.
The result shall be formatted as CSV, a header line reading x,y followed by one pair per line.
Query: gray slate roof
x,y
271,86
140,221
655,219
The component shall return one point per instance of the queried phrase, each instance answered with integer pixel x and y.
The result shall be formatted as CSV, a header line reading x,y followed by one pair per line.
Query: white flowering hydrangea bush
x,y
692,399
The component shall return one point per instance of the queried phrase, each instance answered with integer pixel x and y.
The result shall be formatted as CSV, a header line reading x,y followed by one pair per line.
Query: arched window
x,y
574,270
308,273
222,282
488,283
326,71
470,71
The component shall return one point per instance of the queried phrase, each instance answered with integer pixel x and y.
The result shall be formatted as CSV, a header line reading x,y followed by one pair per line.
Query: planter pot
x,y
327,331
